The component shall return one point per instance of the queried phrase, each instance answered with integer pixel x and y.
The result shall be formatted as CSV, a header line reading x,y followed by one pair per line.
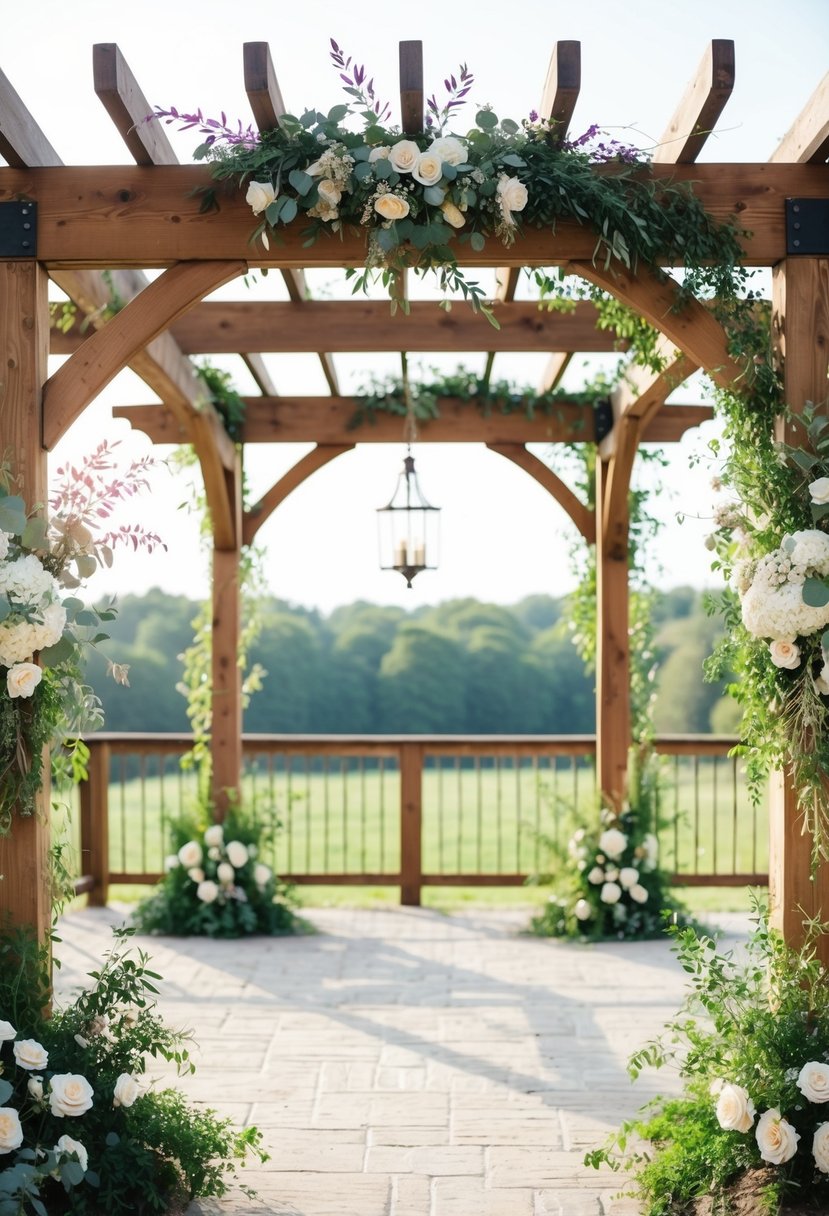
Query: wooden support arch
x,y
552,483
279,491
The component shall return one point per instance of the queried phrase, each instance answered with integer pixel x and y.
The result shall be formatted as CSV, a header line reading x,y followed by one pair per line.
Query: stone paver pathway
x,y
404,1063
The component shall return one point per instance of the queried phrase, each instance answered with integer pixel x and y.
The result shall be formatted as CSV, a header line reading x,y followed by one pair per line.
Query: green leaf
x,y
289,210
362,170
815,593
819,510
72,605
824,644
61,652
510,127
383,169
373,135
337,113
477,241
450,172
6,1091
34,533
514,161
86,617
86,565
12,515
803,459
301,182
434,195
5,607
486,120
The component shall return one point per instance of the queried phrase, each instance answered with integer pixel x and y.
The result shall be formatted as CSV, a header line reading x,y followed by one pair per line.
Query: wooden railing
x,y
414,811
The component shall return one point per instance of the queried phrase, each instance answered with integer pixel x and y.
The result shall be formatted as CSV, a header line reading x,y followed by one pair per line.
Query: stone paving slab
x,y
405,1063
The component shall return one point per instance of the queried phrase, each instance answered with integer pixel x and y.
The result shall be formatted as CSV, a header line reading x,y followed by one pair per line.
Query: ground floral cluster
x,y
752,1044
82,1132
217,885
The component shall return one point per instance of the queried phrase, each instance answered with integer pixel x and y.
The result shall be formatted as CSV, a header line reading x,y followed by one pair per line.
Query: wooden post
x,y
94,794
801,318
612,652
25,894
411,816
226,729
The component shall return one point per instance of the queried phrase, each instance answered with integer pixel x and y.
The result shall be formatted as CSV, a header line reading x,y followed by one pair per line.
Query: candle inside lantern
x,y
419,554
400,554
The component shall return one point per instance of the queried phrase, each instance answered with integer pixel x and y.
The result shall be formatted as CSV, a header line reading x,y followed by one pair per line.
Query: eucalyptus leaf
x,y
302,182
819,511
12,514
815,592
86,565
486,120
804,459
34,533
289,210
509,126
61,652
434,195
362,170
477,241
6,1091
5,607
86,617
383,169
337,113
513,161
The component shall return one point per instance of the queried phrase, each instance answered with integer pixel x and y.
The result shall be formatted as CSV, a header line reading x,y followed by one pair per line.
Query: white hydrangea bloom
x,y
773,604
37,618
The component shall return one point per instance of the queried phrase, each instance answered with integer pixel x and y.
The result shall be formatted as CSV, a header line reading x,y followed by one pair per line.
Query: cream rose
x,y
170,862
449,149
820,1147
583,910
611,893
512,195
67,1145
190,854
7,1032
813,1081
380,153
819,490
613,843
237,853
207,891
638,893
785,654
126,1090
262,874
391,207
735,1109
329,192
225,872
69,1094
23,679
214,835
30,1054
628,876
596,875
776,1138
452,214
403,155
196,874
214,852
35,1088
11,1133
260,195
427,169
315,169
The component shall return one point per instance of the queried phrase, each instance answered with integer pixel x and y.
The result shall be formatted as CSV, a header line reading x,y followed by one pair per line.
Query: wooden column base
x,y
796,891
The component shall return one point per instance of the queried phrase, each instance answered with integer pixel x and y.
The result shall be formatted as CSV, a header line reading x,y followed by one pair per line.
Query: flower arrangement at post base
x,y
41,564
217,885
81,1131
752,1046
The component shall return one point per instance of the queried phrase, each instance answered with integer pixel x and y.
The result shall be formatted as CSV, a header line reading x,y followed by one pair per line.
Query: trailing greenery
x,y
751,1044
224,398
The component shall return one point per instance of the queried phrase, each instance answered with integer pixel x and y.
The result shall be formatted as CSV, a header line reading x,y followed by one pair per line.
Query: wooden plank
x,y
94,800
612,660
137,215
411,87
22,142
807,140
309,464
256,366
361,325
555,369
411,822
128,107
702,103
562,85
226,698
261,85
579,514
25,889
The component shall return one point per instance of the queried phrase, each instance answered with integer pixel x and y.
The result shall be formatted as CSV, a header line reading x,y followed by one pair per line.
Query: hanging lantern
x,y
408,527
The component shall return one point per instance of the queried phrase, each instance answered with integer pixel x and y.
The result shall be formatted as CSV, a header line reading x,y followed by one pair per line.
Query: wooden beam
x,y
411,87
702,103
613,729
555,369
128,108
226,699
807,140
107,351
256,366
279,491
22,143
642,392
141,215
562,86
580,515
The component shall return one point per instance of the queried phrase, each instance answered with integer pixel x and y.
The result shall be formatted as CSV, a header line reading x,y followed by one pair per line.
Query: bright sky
x,y
503,537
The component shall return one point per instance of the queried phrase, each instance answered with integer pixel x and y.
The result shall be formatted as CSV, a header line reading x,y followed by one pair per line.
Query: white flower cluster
x,y
228,858
772,605
36,617
776,1138
614,880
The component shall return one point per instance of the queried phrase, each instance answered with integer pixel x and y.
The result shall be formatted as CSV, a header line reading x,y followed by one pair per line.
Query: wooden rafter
x,y
411,87
128,108
581,516
807,140
555,369
256,366
22,143
309,464
702,103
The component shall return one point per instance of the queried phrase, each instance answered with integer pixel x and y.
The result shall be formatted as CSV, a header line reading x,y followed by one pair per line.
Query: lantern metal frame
x,y
412,527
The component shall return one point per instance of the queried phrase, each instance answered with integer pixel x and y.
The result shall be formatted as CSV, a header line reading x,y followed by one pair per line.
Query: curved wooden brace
x,y
279,491
107,351
552,483
692,327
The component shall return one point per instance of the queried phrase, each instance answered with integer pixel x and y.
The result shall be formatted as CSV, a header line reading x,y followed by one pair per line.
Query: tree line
x,y
463,667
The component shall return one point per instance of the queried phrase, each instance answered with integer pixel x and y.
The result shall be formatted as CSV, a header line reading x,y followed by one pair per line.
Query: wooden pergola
x,y
71,223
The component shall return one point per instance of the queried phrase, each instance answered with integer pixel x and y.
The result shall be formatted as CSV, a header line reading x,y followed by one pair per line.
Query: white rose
x,y
611,893
170,861
638,893
820,1147
512,195
776,1138
628,876
30,1054
813,1081
196,874
67,1145
7,1032
126,1090
449,149
262,874
237,853
785,654
23,679
613,843
260,195
207,891
611,874
403,155
651,846
214,835
69,1094
735,1109
819,490
583,910
225,872
391,207
381,153
427,169
596,875
190,854
329,192
315,169
11,1133
35,1087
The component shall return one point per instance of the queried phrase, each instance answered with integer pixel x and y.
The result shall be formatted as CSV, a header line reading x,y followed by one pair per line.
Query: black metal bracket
x,y
807,226
18,230
602,418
